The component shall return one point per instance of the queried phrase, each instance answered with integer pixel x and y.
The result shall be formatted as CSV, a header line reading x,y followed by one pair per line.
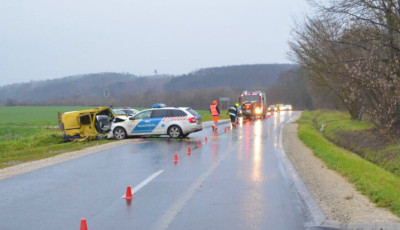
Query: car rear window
x,y
194,113
178,113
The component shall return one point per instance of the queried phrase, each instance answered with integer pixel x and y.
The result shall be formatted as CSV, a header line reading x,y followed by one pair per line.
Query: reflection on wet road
x,y
234,181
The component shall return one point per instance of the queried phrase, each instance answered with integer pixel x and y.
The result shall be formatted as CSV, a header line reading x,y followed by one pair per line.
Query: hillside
x,y
69,89
236,77
127,89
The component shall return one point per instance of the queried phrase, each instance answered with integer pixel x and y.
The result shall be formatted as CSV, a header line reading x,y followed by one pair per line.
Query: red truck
x,y
253,104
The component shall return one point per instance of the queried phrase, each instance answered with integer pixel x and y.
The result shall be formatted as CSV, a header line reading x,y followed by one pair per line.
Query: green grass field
x,y
381,186
34,115
30,133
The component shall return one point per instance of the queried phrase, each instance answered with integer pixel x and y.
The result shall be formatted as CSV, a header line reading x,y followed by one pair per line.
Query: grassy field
x,y
30,133
380,185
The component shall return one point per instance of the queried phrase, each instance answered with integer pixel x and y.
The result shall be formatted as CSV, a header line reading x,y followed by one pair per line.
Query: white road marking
x,y
164,222
143,183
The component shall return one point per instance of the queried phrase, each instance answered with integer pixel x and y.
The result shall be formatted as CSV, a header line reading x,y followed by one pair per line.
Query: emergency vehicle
x,y
175,122
253,104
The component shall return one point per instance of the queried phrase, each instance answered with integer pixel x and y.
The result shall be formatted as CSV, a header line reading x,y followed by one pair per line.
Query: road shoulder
x,y
338,198
33,165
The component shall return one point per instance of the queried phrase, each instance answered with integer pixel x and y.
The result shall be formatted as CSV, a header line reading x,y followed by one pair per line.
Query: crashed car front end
x,y
86,125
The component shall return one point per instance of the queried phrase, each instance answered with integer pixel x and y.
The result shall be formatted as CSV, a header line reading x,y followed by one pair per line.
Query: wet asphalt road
x,y
234,181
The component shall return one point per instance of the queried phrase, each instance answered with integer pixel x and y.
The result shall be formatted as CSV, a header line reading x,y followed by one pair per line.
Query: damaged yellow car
x,y
87,124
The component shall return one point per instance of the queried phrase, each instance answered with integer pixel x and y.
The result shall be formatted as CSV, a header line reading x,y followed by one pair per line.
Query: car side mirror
x,y
131,118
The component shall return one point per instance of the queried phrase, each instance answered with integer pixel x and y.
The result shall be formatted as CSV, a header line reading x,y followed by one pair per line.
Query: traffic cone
x,y
128,194
189,150
199,144
206,139
83,224
176,158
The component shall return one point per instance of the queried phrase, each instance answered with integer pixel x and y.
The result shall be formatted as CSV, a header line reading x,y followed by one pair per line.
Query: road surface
x,y
234,181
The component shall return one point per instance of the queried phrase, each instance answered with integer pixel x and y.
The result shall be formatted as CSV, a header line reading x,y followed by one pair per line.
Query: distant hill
x,y
127,89
90,87
235,77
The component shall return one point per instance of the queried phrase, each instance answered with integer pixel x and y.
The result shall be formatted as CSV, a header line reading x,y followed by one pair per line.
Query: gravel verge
x,y
338,198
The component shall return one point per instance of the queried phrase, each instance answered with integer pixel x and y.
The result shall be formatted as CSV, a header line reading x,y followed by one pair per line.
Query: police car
x,y
175,122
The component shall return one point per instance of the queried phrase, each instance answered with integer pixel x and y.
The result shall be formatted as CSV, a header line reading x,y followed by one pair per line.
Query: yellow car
x,y
87,124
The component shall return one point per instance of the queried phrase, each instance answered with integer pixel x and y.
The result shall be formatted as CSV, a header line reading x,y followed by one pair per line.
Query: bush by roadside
x,y
379,185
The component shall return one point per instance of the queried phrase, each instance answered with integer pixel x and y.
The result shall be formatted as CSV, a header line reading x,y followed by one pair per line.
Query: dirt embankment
x,y
337,197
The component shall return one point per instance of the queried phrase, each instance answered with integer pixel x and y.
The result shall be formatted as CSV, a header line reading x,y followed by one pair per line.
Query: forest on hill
x,y
195,89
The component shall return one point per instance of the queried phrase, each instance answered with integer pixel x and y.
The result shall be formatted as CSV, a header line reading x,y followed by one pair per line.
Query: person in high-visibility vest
x,y
214,110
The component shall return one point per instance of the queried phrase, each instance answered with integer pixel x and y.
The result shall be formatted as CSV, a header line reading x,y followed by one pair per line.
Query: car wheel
x,y
119,133
174,131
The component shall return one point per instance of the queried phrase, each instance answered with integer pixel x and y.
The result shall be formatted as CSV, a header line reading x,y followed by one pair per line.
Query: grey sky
x,y
45,39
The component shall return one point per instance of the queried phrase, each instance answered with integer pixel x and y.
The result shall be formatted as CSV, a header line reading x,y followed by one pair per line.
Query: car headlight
x,y
258,110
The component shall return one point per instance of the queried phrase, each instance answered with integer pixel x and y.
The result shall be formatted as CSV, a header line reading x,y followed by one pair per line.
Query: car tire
x,y
174,131
119,133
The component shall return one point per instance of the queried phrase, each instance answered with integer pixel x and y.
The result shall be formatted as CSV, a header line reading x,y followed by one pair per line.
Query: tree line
x,y
350,50
196,89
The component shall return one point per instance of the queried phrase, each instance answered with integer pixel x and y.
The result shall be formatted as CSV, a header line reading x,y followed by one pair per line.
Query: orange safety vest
x,y
214,110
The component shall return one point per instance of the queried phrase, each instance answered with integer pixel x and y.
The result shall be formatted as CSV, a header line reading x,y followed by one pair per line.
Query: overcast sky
x,y
46,39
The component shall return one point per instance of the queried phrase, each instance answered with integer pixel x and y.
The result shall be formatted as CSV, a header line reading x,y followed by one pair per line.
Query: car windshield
x,y
250,98
143,115
130,112
119,112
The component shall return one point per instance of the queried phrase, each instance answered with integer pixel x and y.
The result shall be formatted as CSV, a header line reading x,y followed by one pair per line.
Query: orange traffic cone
x,y
83,224
189,150
198,143
128,194
206,139
176,158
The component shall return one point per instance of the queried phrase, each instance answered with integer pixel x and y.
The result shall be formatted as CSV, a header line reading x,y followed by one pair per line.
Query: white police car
x,y
175,122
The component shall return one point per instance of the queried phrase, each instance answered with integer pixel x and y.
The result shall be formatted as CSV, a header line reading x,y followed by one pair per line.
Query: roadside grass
x,y
381,186
30,133
383,150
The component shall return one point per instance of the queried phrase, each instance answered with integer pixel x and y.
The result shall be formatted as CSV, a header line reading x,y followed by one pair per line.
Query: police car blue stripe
x,y
147,125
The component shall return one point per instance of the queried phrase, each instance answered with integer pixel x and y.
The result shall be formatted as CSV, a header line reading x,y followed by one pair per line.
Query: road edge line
x,y
314,209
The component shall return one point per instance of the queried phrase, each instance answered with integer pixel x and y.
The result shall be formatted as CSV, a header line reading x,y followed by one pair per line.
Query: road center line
x,y
145,182
164,222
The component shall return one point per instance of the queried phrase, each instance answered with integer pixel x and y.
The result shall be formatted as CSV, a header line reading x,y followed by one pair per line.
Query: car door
x,y
158,119
141,123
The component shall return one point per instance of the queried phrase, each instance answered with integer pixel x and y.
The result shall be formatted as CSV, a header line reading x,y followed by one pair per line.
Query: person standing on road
x,y
233,113
214,110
